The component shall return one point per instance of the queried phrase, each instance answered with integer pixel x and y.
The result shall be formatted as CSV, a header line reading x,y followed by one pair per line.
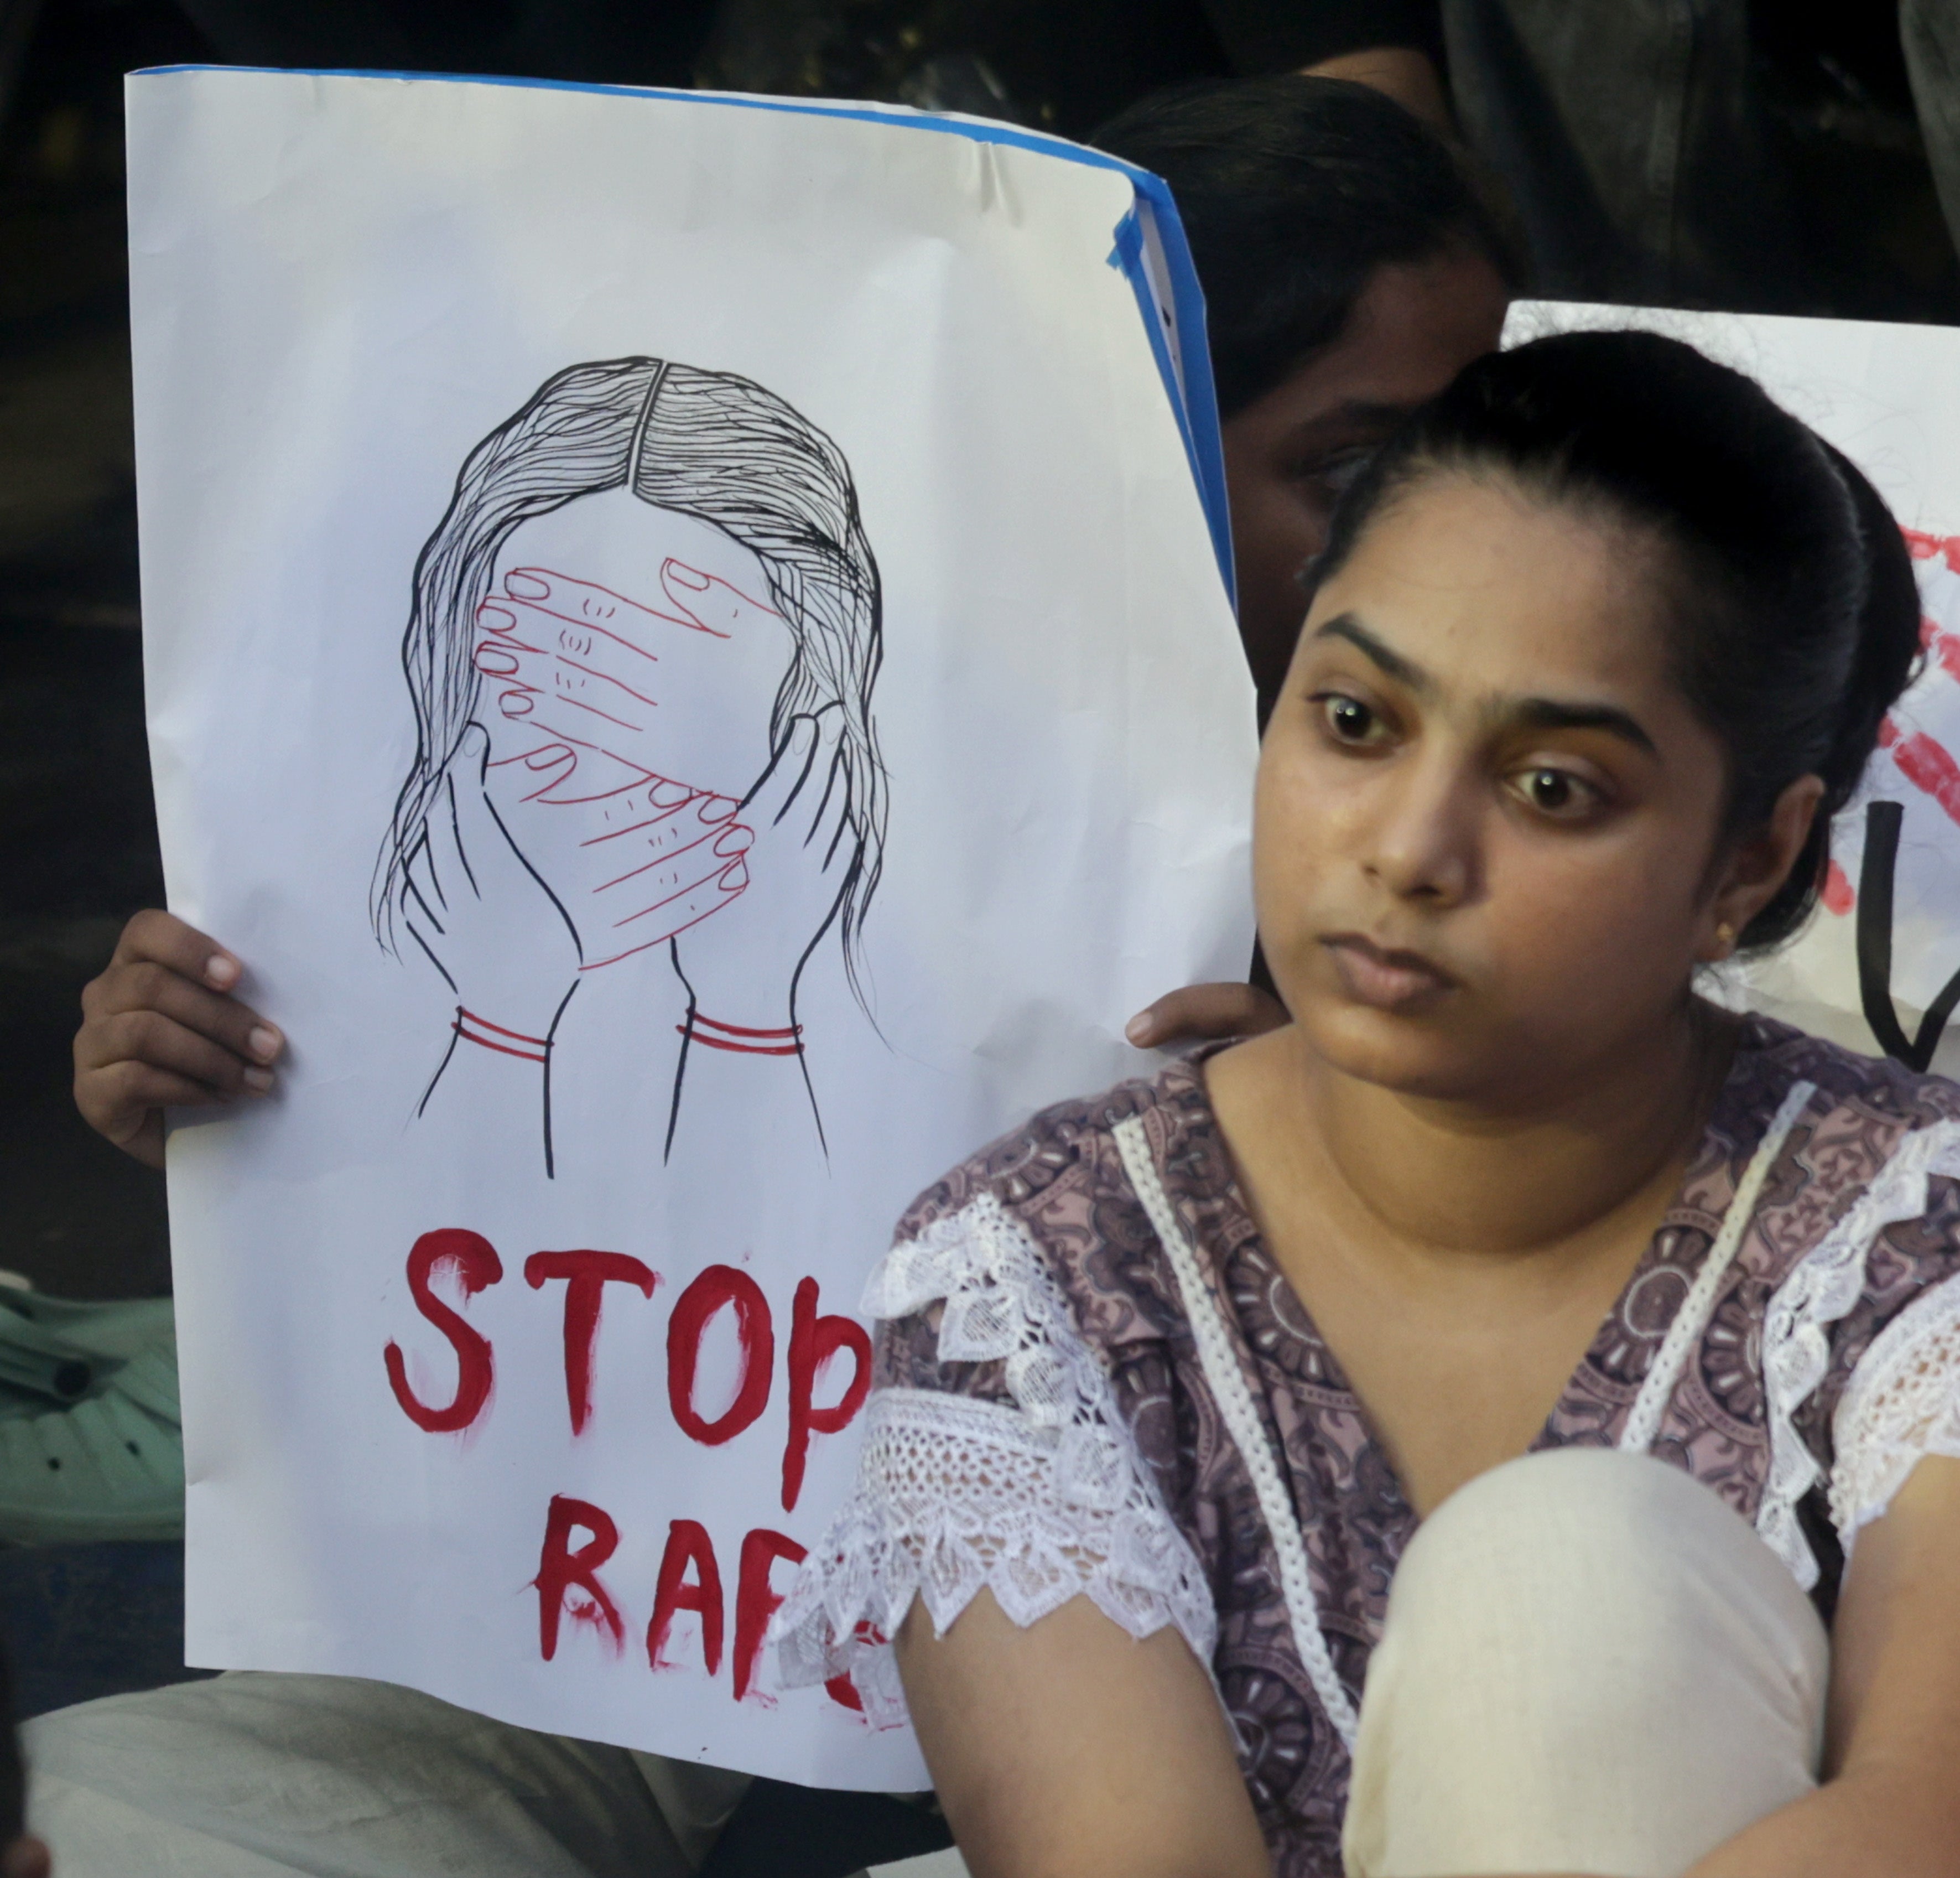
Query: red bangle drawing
x,y
494,1036
743,1041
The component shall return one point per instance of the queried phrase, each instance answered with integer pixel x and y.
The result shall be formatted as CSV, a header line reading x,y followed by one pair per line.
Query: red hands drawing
x,y
632,868
647,863
655,689
742,968
605,705
602,702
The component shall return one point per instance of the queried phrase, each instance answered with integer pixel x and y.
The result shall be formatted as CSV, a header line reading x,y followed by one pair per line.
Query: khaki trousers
x,y
1590,1664
263,1776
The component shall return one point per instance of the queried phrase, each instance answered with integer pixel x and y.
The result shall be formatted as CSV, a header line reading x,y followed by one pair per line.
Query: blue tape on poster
x,y
1196,402
1202,448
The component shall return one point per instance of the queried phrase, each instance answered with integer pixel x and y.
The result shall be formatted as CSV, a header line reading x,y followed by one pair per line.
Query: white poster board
x,y
1887,396
687,648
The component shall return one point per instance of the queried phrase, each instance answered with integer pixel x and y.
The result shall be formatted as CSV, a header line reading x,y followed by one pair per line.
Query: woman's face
x,y
1289,454
1486,815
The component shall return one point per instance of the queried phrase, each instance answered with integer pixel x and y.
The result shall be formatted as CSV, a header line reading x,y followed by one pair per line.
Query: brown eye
x,y
1556,792
1349,720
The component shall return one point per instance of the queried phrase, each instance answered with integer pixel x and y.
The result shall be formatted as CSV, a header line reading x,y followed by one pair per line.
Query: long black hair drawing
x,y
641,653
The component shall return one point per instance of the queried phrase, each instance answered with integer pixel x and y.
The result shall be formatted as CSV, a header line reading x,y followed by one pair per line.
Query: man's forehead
x,y
614,540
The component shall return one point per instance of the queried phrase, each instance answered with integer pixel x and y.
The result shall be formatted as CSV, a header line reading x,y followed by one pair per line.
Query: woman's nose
x,y
1423,844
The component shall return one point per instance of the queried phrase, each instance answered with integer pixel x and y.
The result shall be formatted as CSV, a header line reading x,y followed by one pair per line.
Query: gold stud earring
x,y
1725,936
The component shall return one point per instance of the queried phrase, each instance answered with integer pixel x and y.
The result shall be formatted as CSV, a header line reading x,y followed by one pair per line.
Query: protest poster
x,y
1878,968
689,646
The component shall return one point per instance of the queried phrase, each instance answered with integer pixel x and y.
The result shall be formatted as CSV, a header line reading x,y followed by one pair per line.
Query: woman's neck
x,y
1462,1177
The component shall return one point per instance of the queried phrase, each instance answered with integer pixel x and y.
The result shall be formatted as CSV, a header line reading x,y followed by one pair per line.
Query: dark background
x,y
77,835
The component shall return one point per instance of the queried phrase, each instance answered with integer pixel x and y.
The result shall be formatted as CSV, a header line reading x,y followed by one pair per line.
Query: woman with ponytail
x,y
1506,1420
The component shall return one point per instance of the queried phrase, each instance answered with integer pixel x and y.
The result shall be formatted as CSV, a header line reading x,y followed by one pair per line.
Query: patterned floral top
x,y
1048,1421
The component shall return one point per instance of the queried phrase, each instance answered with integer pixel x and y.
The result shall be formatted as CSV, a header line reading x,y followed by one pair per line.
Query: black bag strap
x,y
1882,823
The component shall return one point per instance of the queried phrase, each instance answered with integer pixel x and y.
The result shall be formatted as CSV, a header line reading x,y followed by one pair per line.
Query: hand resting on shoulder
x,y
1199,1013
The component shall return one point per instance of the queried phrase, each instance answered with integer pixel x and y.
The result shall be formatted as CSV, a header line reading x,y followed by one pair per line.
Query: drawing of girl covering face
x,y
642,654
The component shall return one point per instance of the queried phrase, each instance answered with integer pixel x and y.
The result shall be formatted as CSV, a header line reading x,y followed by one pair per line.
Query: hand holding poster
x,y
686,647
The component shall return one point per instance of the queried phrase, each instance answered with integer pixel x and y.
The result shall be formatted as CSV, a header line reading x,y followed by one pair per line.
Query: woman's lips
x,y
1388,981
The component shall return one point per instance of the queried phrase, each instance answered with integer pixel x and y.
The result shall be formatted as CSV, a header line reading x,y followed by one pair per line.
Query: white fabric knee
x,y
1590,1664
265,1776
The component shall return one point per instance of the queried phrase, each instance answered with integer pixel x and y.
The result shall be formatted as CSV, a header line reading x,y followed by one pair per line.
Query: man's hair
x,y
1293,191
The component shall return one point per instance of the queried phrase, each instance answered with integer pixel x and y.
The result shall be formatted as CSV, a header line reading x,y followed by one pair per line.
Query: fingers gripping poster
x,y
1878,968
688,650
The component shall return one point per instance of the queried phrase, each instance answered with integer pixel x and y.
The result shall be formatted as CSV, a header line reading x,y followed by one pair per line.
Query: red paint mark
x,y
755,1601
1838,897
1934,639
1946,647
474,1262
1928,766
719,1286
813,1342
688,1544
563,1568
1925,547
1940,645
585,1275
841,1689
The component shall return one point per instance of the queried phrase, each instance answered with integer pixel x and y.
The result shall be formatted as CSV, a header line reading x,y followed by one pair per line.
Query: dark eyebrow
x,y
1368,411
1354,423
1403,671
1530,714
1548,713
1372,413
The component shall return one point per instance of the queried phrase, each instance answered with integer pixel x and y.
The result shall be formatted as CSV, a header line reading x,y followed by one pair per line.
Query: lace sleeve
x,y
1038,1500
1901,1404
1821,1290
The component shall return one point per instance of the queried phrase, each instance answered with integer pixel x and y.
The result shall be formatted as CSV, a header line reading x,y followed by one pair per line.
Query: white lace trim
x,y
1902,1404
1234,1397
1824,1286
1037,1503
1049,1500
1690,1321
